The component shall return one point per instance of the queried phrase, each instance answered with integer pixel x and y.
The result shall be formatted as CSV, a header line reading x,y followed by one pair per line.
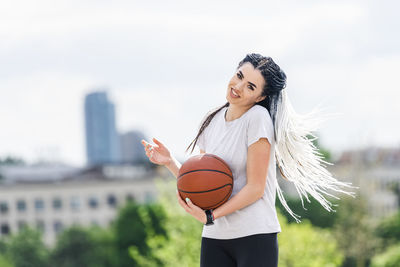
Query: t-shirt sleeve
x,y
260,126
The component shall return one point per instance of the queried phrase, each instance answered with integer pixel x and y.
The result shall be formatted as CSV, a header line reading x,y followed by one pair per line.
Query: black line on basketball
x,y
216,204
211,170
198,192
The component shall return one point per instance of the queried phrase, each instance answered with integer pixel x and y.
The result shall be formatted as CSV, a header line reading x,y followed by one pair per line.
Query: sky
x,y
165,64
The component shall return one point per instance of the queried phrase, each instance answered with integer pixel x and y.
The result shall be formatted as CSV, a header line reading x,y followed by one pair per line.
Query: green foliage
x,y
3,247
78,246
182,245
304,245
9,160
314,211
105,250
389,230
129,230
390,258
354,230
134,225
26,249
5,261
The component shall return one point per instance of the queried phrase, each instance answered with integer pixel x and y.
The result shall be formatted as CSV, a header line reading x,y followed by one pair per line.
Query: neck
x,y
235,112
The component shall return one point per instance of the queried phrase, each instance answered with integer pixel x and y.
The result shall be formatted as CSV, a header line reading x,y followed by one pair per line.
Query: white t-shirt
x,y
230,141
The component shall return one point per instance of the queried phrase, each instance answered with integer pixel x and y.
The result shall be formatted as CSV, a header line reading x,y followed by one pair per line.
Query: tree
x,y
5,261
80,246
388,230
181,245
354,231
133,226
389,258
9,160
26,249
302,245
314,212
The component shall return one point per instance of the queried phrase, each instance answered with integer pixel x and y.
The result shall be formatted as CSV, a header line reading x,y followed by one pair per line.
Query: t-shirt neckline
x,y
237,119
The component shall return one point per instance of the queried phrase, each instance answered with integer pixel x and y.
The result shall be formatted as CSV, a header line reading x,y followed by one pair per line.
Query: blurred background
x,y
82,82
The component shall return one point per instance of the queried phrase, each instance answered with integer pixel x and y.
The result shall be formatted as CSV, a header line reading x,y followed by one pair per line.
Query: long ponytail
x,y
298,159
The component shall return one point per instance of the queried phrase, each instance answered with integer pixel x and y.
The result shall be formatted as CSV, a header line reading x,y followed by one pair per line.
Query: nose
x,y
238,86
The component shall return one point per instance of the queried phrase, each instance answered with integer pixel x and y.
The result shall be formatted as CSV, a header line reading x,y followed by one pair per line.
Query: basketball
x,y
206,179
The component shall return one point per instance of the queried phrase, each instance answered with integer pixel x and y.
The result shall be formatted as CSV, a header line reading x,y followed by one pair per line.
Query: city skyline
x,y
167,65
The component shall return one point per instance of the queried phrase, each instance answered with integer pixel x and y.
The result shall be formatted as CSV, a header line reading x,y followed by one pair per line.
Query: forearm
x,y
246,196
173,166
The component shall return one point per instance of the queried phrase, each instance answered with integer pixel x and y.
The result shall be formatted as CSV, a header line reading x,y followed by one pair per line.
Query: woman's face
x,y
247,83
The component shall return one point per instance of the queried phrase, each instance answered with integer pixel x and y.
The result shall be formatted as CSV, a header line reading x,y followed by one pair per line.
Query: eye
x,y
238,75
250,87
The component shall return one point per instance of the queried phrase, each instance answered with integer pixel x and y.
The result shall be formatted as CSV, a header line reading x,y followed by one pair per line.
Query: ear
x,y
261,98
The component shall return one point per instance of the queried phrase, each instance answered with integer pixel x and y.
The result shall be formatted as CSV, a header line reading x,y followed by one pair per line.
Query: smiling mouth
x,y
233,93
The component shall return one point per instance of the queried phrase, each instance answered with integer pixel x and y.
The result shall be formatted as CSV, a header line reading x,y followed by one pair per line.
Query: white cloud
x,y
168,63
42,112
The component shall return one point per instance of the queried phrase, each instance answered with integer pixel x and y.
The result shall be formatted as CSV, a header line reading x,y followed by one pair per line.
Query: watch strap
x,y
210,217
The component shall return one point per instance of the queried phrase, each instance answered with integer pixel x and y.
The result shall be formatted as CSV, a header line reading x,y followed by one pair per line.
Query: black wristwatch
x,y
210,217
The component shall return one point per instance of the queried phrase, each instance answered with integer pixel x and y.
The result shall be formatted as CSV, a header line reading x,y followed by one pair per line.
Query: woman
x,y
255,129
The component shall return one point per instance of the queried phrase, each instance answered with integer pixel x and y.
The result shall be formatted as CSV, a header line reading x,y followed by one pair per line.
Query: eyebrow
x,y
248,82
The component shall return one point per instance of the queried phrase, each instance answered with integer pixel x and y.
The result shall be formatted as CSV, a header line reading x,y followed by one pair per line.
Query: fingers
x,y
149,147
182,203
157,142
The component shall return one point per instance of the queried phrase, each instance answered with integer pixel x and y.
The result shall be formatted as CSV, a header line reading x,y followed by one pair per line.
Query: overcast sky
x,y
167,63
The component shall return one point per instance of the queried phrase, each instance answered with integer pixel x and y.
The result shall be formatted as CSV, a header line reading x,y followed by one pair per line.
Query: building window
x,y
39,204
58,226
75,203
130,198
3,207
21,225
21,205
112,200
5,229
57,203
40,226
93,202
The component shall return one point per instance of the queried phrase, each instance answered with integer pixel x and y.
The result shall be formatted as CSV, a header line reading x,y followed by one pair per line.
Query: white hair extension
x,y
298,159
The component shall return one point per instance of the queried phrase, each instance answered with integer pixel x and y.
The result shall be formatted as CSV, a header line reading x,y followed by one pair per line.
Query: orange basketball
x,y
206,179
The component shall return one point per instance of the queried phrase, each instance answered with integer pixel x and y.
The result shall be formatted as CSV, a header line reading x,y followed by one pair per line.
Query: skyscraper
x,y
102,144
131,147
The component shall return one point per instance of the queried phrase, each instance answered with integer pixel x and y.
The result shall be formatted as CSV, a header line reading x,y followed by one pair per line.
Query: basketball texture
x,y
206,179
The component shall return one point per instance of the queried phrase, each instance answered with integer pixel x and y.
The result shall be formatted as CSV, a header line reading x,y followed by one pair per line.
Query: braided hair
x,y
297,158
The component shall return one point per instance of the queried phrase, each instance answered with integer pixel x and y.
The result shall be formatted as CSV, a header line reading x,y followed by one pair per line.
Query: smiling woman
x,y
255,130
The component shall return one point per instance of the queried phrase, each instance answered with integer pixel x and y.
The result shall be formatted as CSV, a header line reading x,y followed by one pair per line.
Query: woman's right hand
x,y
158,154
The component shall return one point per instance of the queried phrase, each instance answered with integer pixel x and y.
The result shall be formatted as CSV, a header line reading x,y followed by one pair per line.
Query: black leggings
x,y
260,250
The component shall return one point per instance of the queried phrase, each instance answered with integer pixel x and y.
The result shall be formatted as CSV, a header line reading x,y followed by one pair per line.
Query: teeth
x,y
233,92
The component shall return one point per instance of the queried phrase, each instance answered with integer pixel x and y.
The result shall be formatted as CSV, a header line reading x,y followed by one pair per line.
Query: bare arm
x,y
173,166
257,169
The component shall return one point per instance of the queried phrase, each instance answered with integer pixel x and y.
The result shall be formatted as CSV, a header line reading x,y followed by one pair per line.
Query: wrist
x,y
210,217
169,162
215,214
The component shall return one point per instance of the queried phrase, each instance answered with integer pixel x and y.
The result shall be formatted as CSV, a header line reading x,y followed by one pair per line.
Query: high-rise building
x,y
102,144
132,150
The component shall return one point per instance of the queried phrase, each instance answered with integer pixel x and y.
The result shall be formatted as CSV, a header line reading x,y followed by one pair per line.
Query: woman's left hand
x,y
197,212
